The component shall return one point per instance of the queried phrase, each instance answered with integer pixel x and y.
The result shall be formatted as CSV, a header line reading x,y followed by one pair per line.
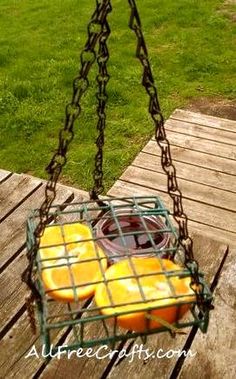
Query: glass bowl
x,y
128,233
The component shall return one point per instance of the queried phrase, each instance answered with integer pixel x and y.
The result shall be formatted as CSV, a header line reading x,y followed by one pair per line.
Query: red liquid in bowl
x,y
131,234
130,225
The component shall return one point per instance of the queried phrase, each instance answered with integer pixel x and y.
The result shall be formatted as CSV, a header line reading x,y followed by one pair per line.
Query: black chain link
x,y
97,28
102,80
166,160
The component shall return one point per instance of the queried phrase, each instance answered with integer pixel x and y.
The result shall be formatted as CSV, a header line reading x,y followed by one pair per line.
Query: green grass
x,y
191,46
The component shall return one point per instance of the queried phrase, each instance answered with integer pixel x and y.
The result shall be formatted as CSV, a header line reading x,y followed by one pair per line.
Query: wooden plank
x,y
191,191
79,368
207,231
216,351
12,239
14,191
201,159
189,172
13,362
201,144
4,175
219,135
16,344
13,296
203,119
13,227
200,216
162,367
79,195
212,232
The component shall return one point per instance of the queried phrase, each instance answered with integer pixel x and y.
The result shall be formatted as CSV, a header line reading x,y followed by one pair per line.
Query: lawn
x,y
192,50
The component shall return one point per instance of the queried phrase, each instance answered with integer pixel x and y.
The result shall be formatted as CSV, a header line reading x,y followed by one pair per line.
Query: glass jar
x,y
130,233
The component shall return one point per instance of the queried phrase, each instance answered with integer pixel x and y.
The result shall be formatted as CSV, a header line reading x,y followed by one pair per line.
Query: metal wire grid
x,y
88,324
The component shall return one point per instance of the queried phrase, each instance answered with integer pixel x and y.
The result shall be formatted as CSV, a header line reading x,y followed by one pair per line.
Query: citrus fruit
x,y
70,272
125,294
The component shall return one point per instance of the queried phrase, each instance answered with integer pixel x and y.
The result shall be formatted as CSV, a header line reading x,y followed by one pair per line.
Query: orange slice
x,y
70,271
123,294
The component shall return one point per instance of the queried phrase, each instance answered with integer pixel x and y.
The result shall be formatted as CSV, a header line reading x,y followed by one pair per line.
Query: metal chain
x,y
102,80
166,160
95,31
98,30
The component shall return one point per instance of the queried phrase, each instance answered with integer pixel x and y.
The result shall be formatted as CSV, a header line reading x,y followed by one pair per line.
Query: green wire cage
x,y
124,230
113,269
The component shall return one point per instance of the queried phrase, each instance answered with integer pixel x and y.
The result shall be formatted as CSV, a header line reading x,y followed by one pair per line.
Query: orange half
x,y
70,272
126,294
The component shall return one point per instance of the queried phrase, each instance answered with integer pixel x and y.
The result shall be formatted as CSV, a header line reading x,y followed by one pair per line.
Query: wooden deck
x,y
204,151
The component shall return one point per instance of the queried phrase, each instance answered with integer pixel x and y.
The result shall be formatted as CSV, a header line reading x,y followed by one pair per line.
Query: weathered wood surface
x,y
4,175
14,321
205,120
188,171
79,367
195,158
216,351
12,298
14,191
205,220
203,149
211,134
204,154
18,341
13,227
205,159
191,190
202,145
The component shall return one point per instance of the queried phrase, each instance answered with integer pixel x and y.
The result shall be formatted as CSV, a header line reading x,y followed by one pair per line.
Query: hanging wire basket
x,y
111,270
95,263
